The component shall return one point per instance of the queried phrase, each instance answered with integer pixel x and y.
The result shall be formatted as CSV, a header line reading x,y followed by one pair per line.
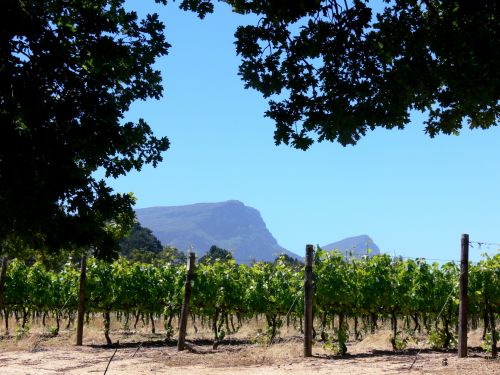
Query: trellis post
x,y
81,301
308,302
3,275
462,312
185,303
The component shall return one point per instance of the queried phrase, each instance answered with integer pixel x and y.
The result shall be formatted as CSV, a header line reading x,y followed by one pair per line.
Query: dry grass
x,y
140,352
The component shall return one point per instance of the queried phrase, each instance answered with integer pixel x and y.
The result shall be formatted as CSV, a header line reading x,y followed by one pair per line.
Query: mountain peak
x,y
357,246
230,225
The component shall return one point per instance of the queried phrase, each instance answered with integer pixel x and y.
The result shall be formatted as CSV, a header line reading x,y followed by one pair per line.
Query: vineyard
x,y
352,297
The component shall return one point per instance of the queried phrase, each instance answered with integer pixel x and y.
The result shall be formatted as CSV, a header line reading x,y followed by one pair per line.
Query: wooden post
x,y
3,275
462,312
494,349
308,302
185,304
81,301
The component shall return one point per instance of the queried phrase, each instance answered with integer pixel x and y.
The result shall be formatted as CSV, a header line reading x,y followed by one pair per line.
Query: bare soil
x,y
142,353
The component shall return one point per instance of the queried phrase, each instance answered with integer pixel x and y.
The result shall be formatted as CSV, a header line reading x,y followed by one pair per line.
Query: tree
x,y
173,255
69,71
140,239
141,245
335,69
289,261
216,253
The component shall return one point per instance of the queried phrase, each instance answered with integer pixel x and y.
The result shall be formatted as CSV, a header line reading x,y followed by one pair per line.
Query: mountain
x,y
355,246
230,225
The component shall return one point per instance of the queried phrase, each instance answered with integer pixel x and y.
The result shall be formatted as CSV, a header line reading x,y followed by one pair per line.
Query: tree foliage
x,y
289,261
69,71
332,70
173,255
216,253
335,69
141,239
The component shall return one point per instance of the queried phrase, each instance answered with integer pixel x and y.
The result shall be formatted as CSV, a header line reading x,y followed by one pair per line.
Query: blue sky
x,y
413,195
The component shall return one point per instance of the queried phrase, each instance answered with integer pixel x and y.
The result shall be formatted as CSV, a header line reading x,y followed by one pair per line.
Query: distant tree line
x,y
138,245
141,245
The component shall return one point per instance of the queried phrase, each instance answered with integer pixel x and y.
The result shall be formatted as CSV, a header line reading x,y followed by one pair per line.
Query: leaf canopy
x,y
333,70
69,71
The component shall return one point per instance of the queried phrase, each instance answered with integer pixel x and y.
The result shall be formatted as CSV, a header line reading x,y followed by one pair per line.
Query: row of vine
x,y
360,291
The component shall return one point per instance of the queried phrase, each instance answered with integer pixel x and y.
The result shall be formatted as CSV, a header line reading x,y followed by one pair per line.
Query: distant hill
x,y
230,225
355,246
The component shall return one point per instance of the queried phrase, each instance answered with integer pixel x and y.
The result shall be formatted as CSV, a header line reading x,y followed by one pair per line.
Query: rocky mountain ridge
x,y
356,246
230,225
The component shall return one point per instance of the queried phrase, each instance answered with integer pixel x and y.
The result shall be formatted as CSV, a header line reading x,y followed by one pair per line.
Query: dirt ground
x,y
233,360
143,353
